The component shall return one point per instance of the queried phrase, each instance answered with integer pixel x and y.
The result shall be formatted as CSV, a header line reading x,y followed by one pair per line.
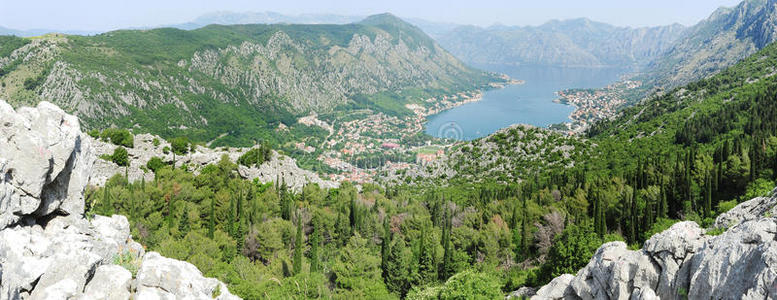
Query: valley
x,y
246,155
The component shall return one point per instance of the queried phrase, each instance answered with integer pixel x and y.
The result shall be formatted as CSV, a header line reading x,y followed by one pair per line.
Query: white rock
x,y
110,282
164,278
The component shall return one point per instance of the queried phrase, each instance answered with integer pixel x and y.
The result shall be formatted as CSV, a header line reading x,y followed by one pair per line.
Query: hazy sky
x,y
113,14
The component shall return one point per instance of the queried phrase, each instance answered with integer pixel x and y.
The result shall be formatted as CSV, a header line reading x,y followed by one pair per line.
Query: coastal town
x,y
358,149
592,105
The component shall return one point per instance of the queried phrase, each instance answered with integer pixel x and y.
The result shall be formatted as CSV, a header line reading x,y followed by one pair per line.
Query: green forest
x,y
688,154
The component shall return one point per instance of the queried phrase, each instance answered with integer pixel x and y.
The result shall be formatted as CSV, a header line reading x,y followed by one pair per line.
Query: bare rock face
x,y
44,163
165,278
48,250
684,261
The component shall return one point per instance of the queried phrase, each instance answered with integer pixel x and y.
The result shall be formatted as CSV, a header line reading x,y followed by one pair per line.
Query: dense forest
x,y
688,154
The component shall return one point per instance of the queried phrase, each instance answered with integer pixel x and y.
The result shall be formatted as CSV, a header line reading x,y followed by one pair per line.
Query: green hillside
x,y
243,80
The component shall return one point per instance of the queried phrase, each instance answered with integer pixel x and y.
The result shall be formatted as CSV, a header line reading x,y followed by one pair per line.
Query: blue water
x,y
529,103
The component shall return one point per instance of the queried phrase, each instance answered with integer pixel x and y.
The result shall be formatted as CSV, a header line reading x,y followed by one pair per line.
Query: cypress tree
x,y
107,205
298,245
446,268
315,242
212,221
385,247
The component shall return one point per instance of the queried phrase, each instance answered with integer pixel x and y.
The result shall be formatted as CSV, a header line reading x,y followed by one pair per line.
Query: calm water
x,y
529,103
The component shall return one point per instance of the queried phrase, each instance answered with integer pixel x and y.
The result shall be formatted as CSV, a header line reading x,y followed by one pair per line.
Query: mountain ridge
x,y
178,81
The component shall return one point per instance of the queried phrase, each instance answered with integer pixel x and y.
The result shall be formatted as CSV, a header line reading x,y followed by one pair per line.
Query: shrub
x,y
155,163
120,156
471,285
255,157
119,137
180,145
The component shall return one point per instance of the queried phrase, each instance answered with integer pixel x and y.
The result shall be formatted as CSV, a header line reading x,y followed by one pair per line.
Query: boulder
x,y
749,210
685,261
165,278
110,282
45,163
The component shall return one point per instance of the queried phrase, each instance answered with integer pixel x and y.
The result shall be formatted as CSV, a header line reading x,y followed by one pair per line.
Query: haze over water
x,y
530,103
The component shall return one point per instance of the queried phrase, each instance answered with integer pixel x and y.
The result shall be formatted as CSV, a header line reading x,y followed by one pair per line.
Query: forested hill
x,y
212,80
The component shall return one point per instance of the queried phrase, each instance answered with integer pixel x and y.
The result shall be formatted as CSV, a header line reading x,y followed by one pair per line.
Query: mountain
x,y
241,79
433,29
726,37
38,32
577,42
236,18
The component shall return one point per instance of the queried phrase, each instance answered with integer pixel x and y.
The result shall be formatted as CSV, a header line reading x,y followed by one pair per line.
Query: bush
x,y
166,150
571,251
471,285
155,142
119,137
120,156
255,157
155,163
180,145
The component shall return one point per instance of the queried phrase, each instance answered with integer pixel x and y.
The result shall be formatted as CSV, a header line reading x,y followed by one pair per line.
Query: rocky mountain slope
x,y
726,37
278,167
241,79
578,42
686,261
510,154
48,248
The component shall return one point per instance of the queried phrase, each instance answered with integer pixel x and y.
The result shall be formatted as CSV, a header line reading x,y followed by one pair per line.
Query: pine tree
x,y
298,245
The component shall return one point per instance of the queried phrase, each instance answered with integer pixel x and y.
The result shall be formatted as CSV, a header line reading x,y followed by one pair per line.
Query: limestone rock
x,y
48,250
165,278
110,282
684,261
279,166
558,288
748,210
44,163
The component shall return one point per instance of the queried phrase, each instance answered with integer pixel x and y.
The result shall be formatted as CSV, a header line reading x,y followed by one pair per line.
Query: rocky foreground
x,y
685,262
48,249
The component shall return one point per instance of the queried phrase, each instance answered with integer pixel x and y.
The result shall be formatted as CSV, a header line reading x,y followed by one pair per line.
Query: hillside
x,y
577,42
244,80
723,39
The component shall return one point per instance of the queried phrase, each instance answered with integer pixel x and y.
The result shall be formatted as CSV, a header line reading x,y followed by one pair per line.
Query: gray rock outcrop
x,y
44,163
685,261
278,167
48,250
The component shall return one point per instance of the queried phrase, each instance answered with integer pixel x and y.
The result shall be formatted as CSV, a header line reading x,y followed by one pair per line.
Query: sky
x,y
101,15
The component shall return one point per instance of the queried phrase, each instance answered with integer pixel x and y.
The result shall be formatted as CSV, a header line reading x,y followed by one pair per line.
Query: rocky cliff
x,y
48,249
686,261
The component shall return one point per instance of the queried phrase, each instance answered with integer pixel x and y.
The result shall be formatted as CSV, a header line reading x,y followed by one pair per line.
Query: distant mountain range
x,y
578,42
